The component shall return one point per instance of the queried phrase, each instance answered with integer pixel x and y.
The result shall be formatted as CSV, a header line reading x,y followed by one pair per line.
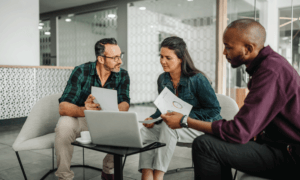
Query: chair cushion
x,y
40,122
42,142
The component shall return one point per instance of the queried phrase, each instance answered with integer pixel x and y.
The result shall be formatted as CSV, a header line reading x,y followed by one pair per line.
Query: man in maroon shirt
x,y
264,136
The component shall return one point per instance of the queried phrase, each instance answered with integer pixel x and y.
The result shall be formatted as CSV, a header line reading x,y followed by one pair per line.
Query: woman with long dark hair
x,y
192,86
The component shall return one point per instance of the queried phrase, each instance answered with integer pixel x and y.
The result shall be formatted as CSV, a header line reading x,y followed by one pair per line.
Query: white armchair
x,y
38,130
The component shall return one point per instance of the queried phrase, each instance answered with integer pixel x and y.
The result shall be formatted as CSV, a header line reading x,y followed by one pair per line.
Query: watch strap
x,y
182,124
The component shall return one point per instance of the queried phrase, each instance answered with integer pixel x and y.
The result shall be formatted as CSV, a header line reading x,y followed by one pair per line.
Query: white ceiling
x,y
185,9
53,5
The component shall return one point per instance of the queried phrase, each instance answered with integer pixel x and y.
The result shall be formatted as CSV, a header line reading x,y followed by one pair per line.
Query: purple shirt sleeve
x,y
262,104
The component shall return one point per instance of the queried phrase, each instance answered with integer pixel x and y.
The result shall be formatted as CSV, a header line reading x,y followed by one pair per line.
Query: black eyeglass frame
x,y
117,58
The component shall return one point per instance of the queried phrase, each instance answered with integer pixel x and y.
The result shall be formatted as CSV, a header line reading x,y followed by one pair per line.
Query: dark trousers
x,y
213,159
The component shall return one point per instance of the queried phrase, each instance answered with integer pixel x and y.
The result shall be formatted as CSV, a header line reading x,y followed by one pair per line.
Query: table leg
x,y
118,171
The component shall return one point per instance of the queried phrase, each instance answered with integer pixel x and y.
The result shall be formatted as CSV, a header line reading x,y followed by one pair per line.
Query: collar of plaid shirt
x,y
93,70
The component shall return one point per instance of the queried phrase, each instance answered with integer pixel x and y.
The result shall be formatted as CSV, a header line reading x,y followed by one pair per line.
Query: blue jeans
x,y
213,159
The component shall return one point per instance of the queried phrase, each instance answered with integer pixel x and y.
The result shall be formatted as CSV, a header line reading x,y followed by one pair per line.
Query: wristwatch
x,y
183,121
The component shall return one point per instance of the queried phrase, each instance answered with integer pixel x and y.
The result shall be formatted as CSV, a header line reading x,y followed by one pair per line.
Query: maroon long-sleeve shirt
x,y
273,102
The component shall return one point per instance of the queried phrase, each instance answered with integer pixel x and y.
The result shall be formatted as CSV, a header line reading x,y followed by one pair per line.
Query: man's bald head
x,y
243,40
250,31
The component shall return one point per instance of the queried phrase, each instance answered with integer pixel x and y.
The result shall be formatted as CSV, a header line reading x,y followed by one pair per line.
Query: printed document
x,y
167,101
107,98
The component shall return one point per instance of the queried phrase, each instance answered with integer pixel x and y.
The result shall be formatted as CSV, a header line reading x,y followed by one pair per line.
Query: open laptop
x,y
115,129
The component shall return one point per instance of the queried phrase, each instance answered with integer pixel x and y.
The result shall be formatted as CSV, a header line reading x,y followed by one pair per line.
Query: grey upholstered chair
x,y
38,130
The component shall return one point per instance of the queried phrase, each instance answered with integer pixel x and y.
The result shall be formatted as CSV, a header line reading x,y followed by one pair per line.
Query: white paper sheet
x,y
166,100
107,98
150,121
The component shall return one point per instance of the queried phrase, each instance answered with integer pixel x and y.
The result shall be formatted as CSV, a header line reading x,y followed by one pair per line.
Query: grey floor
x,y
39,162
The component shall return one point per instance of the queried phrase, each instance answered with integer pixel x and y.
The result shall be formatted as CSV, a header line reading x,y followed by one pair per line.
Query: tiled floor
x,y
39,162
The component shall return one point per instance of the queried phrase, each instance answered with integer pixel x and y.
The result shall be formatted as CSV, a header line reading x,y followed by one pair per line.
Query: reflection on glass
x,y
296,36
77,35
285,23
237,77
149,22
45,44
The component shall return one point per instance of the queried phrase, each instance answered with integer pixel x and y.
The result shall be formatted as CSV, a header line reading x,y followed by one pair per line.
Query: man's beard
x,y
114,69
237,61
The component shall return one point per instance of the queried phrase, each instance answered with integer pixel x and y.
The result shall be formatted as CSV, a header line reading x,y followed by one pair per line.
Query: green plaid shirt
x,y
84,76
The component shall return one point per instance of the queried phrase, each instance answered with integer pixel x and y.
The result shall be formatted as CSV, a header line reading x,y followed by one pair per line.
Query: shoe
x,y
105,176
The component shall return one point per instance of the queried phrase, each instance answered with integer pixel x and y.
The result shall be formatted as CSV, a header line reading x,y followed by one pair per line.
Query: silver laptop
x,y
115,128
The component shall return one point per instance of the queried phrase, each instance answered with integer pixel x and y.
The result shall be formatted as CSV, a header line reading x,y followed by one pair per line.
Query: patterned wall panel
x,y
51,81
18,92
21,88
147,29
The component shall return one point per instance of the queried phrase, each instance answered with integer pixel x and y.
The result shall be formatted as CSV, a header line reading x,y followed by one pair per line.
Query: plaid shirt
x,y
84,76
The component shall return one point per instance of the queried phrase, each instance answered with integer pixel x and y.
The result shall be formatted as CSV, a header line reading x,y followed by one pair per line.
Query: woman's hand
x,y
148,125
90,105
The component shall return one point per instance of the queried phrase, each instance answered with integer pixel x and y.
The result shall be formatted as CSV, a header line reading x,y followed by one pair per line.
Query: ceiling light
x,y
70,15
40,27
41,24
47,33
142,8
68,20
111,15
189,0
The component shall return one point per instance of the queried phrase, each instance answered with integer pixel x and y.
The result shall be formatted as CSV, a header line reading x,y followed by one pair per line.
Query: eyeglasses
x,y
116,58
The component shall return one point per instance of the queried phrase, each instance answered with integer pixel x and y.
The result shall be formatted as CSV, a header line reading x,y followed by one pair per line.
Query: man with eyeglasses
x,y
105,72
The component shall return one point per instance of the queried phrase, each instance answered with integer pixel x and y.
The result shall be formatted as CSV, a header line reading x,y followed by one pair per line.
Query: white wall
x,y
19,32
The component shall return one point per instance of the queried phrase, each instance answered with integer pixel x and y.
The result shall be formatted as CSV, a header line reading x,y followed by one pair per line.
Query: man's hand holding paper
x,y
172,119
106,97
172,109
168,101
90,104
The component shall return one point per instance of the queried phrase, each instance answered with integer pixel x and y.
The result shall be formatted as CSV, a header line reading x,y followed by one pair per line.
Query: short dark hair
x,y
100,45
179,46
252,30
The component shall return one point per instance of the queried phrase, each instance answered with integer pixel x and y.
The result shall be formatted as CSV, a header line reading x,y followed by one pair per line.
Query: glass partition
x,y
296,36
237,77
282,23
45,44
149,22
78,33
